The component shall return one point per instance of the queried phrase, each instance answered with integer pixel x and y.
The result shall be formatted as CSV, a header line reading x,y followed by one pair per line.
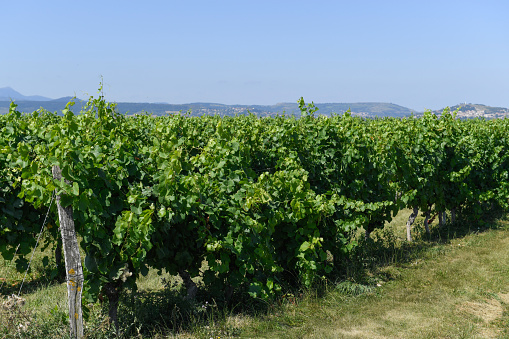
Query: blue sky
x,y
419,54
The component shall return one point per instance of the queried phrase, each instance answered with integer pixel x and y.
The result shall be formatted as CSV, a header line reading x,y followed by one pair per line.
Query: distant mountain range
x,y
364,109
196,109
8,94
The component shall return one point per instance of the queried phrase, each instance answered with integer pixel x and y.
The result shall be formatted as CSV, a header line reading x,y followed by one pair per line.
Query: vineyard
x,y
265,202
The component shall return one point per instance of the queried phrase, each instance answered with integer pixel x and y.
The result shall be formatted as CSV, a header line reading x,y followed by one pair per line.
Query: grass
x,y
453,283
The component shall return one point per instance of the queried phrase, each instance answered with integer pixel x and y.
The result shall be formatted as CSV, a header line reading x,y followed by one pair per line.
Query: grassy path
x,y
451,289
455,290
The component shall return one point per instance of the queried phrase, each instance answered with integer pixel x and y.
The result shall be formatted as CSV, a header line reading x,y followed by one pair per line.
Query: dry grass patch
x,y
488,313
486,310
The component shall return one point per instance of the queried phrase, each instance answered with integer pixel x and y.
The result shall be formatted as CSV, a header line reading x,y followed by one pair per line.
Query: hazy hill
x,y
365,109
8,94
477,111
30,106
362,109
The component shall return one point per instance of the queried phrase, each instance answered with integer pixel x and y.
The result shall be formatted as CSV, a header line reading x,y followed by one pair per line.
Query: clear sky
x,y
418,54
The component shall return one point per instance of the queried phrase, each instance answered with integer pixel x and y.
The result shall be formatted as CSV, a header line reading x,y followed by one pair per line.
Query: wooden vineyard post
x,y
72,258
409,223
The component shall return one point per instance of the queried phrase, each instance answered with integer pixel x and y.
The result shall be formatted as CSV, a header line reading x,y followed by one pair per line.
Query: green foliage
x,y
266,202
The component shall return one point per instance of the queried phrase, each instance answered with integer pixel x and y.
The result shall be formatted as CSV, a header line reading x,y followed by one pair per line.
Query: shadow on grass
x,y
467,224
37,278
166,312
366,260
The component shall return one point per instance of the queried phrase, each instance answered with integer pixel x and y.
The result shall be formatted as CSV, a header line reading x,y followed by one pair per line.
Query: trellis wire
x,y
36,243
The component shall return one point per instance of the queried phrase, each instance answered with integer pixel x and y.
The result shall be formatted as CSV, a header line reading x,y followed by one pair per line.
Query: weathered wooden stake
x,y
409,223
426,224
190,285
73,268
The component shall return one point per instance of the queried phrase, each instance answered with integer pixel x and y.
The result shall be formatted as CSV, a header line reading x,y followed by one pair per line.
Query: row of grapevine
x,y
264,201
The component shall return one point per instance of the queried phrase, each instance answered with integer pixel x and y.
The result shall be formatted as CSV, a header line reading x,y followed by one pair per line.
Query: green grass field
x,y
446,285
